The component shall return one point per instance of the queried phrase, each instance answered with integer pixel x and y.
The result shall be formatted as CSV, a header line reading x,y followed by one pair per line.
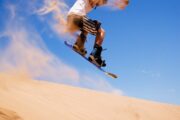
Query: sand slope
x,y
38,100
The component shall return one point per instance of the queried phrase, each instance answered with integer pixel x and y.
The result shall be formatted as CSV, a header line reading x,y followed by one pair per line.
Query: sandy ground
x,y
25,99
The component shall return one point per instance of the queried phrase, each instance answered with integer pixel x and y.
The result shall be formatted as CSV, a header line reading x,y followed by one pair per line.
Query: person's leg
x,y
75,23
100,37
79,44
96,53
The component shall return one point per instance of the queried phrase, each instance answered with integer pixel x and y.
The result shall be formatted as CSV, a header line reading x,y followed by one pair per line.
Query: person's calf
x,y
100,37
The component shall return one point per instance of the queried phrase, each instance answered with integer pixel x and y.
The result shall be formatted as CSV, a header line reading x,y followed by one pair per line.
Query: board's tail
x,y
111,75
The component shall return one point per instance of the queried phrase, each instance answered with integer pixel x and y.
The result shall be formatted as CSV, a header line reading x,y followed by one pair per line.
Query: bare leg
x,y
100,37
81,39
96,53
79,44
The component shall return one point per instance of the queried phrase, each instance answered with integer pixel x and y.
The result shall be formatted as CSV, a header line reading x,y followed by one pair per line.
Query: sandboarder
x,y
77,20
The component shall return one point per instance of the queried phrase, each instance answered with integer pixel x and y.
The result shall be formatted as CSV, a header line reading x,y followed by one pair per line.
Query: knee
x,y
101,31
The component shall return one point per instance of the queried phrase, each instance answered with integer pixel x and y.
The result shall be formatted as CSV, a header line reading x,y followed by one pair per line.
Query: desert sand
x,y
24,99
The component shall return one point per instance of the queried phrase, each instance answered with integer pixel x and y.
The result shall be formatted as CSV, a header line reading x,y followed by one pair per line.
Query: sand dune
x,y
25,99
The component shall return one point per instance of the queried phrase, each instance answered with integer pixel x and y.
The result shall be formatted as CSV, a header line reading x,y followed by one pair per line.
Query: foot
x,y
98,61
81,51
96,56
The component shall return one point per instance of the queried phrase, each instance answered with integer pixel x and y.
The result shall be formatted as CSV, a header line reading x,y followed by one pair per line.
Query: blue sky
x,y
142,41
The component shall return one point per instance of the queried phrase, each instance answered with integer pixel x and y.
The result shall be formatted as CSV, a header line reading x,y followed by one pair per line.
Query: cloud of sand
x,y
27,53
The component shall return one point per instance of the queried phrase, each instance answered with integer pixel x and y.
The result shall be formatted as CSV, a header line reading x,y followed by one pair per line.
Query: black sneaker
x,y
96,56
